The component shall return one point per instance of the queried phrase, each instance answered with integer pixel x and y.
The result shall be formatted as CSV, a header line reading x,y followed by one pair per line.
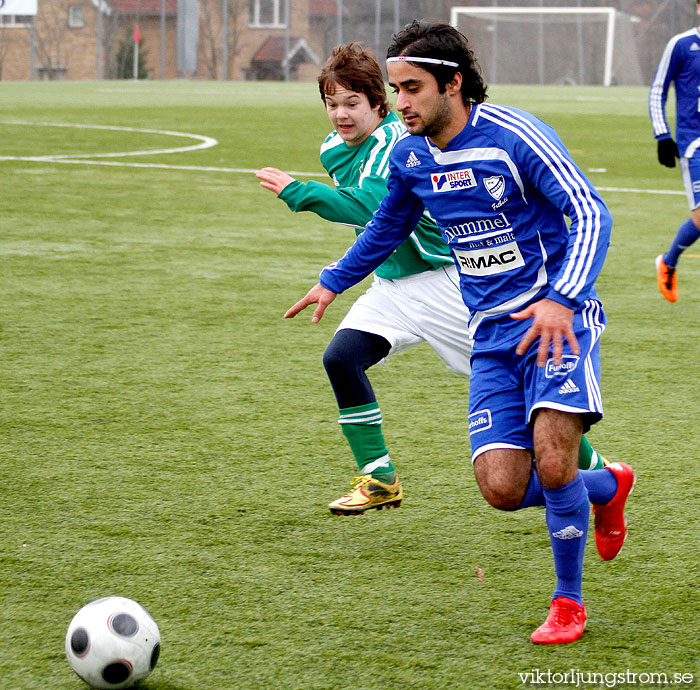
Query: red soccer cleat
x,y
610,524
565,623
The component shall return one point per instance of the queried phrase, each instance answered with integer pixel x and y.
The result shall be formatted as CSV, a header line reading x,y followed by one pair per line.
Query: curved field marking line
x,y
204,142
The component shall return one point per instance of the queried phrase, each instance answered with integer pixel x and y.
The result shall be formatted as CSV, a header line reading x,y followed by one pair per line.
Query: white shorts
x,y
423,308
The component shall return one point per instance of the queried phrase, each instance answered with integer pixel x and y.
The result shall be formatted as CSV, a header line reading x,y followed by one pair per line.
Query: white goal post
x,y
607,14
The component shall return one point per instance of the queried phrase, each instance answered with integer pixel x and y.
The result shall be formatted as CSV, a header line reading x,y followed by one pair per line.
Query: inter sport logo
x,y
453,180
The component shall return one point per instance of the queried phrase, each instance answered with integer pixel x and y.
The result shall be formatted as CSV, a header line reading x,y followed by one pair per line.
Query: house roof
x,y
144,7
272,50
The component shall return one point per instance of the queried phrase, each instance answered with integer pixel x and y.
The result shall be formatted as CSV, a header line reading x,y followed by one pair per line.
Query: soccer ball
x,y
112,643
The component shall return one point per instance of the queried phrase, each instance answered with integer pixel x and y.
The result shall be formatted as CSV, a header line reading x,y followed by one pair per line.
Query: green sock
x,y
589,459
362,427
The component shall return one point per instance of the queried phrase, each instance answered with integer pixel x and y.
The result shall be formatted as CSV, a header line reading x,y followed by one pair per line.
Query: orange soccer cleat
x,y
666,279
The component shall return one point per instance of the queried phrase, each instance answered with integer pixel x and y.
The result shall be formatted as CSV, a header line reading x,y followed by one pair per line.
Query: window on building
x,y
12,20
267,14
75,17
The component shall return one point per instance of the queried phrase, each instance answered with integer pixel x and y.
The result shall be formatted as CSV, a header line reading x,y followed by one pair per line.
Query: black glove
x,y
667,152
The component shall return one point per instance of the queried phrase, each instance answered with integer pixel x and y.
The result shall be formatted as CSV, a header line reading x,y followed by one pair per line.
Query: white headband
x,y
432,61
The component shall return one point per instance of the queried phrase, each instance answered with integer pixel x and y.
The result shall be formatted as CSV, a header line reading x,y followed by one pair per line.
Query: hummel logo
x,y
412,160
695,46
569,532
569,387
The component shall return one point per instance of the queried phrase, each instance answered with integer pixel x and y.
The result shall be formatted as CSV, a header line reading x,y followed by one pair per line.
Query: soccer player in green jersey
x,y
415,296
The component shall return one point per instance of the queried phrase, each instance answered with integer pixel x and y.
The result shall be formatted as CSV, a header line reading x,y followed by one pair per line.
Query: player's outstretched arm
x,y
552,324
273,179
317,295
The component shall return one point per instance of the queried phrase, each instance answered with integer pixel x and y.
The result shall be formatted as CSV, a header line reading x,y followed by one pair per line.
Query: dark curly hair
x,y
443,42
355,69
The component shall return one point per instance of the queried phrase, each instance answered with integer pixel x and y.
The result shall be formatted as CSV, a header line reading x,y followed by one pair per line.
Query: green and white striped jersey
x,y
360,175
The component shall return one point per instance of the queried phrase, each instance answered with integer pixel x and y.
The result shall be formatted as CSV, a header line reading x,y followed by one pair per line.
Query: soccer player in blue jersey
x,y
414,298
679,64
499,183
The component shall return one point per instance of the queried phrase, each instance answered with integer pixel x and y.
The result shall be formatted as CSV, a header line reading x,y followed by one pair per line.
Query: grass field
x,y
167,436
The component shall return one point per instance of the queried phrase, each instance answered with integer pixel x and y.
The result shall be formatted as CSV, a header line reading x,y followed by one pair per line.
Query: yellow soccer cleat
x,y
368,493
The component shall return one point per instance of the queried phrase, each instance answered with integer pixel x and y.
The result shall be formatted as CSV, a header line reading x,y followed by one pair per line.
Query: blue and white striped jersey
x,y
679,64
499,192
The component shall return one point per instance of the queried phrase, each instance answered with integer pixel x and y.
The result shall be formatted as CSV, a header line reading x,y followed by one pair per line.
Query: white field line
x,y
204,143
196,168
632,190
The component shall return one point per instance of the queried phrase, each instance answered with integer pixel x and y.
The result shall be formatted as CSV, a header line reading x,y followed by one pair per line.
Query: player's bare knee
x,y
502,498
502,484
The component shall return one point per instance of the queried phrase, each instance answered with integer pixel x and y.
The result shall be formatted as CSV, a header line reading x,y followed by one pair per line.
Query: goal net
x,y
552,45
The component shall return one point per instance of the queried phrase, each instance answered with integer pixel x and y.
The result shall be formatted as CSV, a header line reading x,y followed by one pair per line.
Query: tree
x,y
211,26
50,29
124,59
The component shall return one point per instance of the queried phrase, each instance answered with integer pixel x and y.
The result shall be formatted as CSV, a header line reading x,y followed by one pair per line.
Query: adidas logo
x,y
412,160
695,46
569,532
569,387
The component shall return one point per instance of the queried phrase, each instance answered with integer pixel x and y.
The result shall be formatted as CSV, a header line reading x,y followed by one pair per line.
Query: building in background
x,y
206,39
261,39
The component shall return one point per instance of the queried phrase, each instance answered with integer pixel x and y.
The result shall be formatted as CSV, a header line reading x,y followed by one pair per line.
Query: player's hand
x,y
553,323
667,152
316,295
273,179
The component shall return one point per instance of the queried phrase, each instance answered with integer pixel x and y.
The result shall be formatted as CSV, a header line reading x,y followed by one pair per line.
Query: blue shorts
x,y
690,173
506,389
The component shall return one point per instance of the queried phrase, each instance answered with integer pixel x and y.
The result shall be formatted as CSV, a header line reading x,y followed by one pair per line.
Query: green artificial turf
x,y
168,437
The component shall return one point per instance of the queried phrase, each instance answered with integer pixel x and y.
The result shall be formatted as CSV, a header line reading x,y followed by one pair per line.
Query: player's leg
x,y
575,387
564,401
588,457
503,445
346,360
557,437
501,441
372,329
687,233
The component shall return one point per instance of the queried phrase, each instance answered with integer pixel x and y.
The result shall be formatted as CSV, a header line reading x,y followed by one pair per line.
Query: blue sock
x,y
567,511
534,498
686,235
601,485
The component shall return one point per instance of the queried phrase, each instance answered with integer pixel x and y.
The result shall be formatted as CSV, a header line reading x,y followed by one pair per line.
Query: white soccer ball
x,y
112,643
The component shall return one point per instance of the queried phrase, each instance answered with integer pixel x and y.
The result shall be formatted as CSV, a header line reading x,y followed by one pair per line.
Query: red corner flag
x,y
137,34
